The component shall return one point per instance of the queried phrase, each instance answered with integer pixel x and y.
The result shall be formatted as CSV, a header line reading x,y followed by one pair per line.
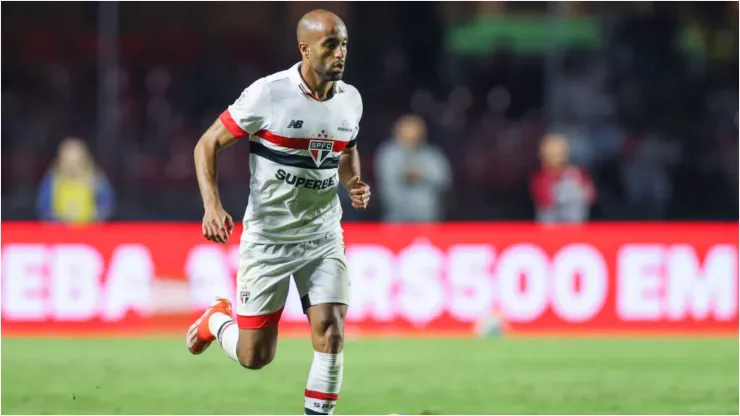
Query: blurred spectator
x,y
75,190
412,175
646,176
561,191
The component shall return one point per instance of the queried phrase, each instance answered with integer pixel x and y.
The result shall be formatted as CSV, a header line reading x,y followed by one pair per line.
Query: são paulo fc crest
x,y
244,296
320,149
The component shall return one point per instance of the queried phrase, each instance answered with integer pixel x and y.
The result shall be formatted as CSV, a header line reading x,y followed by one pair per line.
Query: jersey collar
x,y
295,76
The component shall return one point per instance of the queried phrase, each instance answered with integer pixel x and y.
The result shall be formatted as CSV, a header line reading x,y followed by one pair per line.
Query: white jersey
x,y
295,142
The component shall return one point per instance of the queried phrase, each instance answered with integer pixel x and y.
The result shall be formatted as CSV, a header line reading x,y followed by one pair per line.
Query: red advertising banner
x,y
454,278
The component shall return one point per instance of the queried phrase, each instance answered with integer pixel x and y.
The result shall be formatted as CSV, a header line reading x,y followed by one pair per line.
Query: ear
x,y
303,48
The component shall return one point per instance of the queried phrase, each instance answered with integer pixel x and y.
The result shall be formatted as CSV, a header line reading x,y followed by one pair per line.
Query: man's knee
x,y
327,327
330,339
255,358
334,339
256,347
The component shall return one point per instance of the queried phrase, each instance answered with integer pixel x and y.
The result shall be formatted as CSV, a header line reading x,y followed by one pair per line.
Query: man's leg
x,y
324,288
327,327
262,288
325,376
252,347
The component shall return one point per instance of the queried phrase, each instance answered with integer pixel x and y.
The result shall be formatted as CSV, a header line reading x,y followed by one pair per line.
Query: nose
x,y
339,52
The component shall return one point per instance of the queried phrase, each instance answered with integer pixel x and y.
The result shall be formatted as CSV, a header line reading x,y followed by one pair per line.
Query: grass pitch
x,y
383,376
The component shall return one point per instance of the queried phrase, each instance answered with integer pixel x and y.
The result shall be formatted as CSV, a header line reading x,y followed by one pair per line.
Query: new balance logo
x,y
295,124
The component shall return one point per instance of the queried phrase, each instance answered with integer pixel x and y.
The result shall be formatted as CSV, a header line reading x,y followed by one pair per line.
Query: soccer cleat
x,y
199,336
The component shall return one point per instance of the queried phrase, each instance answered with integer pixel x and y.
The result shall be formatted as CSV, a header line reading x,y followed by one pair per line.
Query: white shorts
x,y
319,269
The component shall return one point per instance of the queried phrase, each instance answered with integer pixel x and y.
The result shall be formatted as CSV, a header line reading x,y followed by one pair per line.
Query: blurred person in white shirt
x,y
412,174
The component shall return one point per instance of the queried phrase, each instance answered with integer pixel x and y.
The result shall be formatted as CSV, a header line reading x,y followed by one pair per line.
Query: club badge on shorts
x,y
244,296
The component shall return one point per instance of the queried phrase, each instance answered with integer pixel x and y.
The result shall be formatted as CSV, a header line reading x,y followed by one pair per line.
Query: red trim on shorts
x,y
299,142
231,125
259,321
311,394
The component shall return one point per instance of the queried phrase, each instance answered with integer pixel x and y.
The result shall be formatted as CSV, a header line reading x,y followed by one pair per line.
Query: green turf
x,y
570,376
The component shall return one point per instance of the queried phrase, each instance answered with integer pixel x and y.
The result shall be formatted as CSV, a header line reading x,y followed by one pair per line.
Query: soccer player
x,y
302,126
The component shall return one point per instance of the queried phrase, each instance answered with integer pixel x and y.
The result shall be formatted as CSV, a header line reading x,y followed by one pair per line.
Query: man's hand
x,y
217,224
359,192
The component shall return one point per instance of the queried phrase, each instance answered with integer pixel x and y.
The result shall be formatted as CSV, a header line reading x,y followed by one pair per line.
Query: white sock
x,y
226,332
324,382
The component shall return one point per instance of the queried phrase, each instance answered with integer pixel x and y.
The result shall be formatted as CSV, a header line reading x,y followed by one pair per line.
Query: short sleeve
x,y
353,141
250,112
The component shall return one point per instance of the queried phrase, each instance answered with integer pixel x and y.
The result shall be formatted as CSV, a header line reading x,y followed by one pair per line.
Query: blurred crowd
x,y
639,123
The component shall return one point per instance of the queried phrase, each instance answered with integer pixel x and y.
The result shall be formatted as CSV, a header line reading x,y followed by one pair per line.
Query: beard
x,y
329,75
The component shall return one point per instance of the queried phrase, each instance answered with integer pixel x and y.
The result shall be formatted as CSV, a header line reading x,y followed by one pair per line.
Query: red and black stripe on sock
x,y
318,403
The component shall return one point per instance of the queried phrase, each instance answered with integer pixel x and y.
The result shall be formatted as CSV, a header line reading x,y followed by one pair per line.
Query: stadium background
x,y
633,310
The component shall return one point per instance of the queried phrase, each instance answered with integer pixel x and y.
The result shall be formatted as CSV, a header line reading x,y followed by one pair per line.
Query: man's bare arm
x,y
349,177
214,139
349,166
217,223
